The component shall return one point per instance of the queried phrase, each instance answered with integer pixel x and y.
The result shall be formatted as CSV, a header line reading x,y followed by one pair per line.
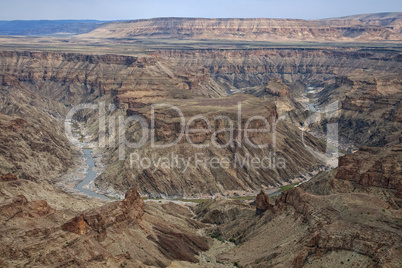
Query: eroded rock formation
x,y
373,167
262,203
122,233
20,207
129,210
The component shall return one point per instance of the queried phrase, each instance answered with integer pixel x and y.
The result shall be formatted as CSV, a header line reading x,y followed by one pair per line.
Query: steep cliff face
x,y
273,74
373,167
389,19
345,29
369,112
370,170
228,71
66,77
72,78
350,215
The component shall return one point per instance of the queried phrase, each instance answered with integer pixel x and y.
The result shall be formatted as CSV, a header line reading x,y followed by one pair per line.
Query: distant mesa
x,y
354,28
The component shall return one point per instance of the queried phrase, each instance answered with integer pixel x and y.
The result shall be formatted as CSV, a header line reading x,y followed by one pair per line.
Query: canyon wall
x,y
346,29
54,82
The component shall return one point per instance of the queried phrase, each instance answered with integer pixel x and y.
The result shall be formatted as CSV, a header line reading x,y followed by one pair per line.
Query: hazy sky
x,y
136,9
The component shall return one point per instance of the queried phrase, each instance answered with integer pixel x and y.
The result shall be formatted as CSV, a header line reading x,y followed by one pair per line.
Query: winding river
x,y
90,175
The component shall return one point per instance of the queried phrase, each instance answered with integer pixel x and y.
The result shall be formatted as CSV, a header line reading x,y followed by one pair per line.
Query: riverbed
x,y
80,178
90,175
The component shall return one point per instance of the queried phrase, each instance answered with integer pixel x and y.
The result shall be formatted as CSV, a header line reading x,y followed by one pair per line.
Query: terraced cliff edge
x,y
369,28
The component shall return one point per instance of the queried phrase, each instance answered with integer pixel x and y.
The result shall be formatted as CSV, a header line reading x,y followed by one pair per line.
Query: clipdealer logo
x,y
238,135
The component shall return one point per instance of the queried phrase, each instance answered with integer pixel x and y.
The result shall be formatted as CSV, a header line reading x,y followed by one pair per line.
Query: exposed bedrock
x,y
46,80
261,29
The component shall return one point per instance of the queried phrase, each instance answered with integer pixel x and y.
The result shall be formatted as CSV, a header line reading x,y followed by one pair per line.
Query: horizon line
x,y
179,17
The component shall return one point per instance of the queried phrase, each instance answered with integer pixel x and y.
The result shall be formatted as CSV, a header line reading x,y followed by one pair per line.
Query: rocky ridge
x,y
350,225
121,233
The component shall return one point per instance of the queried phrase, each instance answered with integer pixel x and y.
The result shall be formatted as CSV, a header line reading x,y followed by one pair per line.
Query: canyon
x,y
230,106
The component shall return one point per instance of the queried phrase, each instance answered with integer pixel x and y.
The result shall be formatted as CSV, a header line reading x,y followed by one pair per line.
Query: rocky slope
x,y
33,144
122,233
370,108
228,159
340,29
355,223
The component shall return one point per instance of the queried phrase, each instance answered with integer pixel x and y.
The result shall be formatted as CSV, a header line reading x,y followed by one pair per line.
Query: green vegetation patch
x,y
288,187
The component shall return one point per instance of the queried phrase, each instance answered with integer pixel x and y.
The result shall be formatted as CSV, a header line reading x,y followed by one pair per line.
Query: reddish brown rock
x,y
19,205
130,210
179,245
133,205
12,207
8,177
40,207
77,225
262,203
372,167
297,198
